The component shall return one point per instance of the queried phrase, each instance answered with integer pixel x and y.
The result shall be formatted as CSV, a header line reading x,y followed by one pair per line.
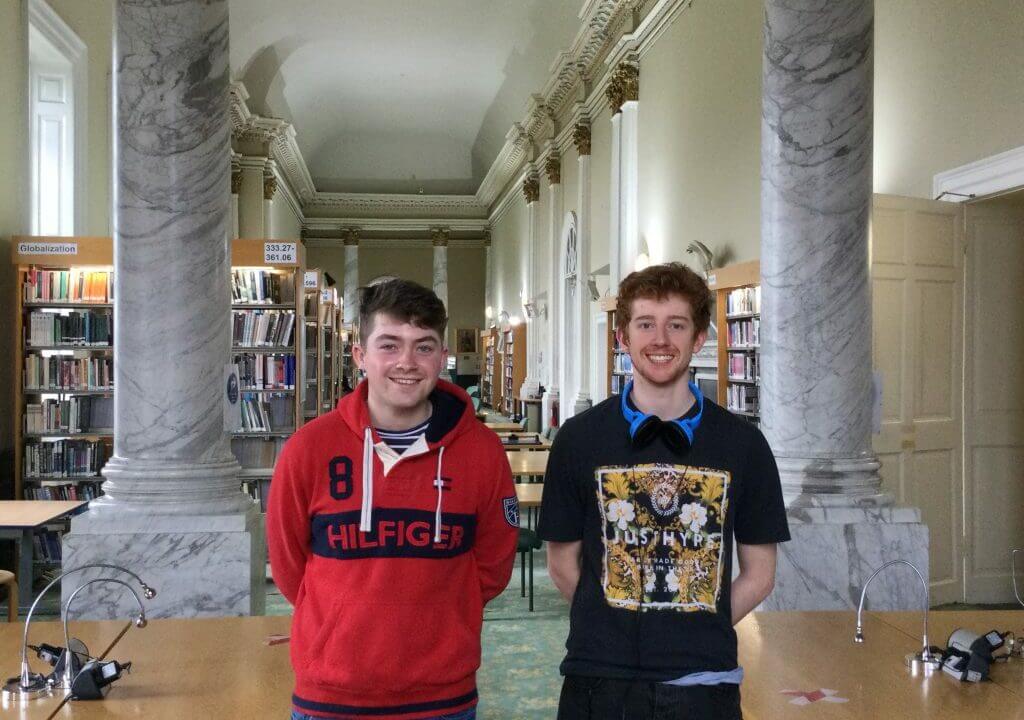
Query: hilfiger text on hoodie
x,y
389,557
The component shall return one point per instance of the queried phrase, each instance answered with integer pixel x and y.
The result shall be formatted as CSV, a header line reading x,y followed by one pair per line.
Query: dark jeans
x,y
590,698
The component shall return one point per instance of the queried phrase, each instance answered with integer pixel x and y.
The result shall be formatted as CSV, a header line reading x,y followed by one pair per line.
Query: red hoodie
x,y
389,602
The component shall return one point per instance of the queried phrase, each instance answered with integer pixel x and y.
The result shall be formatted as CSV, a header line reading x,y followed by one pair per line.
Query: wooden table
x,y
528,464
941,623
810,651
18,520
97,636
529,495
504,426
222,668
524,441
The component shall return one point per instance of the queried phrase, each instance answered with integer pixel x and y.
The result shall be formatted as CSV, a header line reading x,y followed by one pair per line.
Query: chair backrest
x,y
473,391
476,402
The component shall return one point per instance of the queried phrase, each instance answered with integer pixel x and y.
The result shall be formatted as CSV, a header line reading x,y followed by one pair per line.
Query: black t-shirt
x,y
653,601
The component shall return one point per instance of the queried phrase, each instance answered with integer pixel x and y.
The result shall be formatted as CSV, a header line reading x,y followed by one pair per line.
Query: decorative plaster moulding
x,y
393,205
994,174
425,243
378,224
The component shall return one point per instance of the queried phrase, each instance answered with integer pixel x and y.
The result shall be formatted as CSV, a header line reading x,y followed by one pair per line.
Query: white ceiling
x,y
397,95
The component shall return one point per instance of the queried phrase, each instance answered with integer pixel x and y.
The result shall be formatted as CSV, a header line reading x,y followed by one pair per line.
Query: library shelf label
x,y
326,296
48,248
311,280
279,253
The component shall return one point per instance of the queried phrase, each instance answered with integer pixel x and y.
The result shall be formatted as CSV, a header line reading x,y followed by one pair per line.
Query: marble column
x,y
236,187
488,281
173,510
553,170
350,308
816,388
623,95
614,206
269,189
581,137
439,239
531,192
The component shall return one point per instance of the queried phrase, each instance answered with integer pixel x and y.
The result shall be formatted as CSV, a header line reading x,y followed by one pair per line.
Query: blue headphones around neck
x,y
644,428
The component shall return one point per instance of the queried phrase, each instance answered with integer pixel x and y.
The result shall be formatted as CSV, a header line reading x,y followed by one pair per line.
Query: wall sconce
x,y
595,294
534,309
489,312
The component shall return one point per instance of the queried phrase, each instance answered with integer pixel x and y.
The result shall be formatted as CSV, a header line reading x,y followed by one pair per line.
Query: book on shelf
x,y
71,328
68,286
55,459
61,372
267,413
744,366
744,300
257,285
743,398
81,414
265,371
745,333
68,491
262,328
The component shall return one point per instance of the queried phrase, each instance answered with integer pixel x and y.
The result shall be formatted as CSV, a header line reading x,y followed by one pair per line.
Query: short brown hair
x,y
403,300
660,281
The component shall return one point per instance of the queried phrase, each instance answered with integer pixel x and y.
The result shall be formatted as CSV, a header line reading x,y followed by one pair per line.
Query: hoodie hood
x,y
452,415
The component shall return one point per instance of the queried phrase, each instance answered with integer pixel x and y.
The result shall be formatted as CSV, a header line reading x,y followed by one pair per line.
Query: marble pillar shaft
x,y
628,195
172,263
531,382
615,222
350,308
554,299
441,273
816,133
582,357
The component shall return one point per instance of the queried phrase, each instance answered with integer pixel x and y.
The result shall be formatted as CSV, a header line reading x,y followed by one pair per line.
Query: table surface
x,y
223,667
808,652
33,513
504,426
529,494
525,441
528,463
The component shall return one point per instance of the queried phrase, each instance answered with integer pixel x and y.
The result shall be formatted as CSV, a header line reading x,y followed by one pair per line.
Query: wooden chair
x,y
7,578
528,542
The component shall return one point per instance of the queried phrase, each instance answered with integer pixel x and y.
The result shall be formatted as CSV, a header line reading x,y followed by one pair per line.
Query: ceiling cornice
x,y
381,224
424,243
395,206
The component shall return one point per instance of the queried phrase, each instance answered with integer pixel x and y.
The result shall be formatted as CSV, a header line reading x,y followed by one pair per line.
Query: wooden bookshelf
x,y
738,316
64,375
513,367
618,362
267,294
490,369
327,330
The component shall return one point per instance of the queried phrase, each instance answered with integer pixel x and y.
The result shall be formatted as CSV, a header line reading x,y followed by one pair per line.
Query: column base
x,y
530,388
547,404
835,549
832,482
200,565
581,403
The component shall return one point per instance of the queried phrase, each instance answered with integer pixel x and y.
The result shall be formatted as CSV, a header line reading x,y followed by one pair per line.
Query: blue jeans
x,y
464,715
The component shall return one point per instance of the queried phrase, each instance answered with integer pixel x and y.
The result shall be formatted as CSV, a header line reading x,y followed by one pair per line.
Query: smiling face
x,y
402,362
661,338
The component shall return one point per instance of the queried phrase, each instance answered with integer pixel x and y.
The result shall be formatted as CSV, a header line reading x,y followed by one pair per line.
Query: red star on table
x,y
806,697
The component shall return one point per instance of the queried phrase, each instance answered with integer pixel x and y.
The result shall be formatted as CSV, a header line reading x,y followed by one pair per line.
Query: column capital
x,y
269,186
439,236
623,86
350,237
236,178
553,169
581,138
531,189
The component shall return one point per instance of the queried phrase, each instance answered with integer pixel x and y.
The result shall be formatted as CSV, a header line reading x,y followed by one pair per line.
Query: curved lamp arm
x,y
858,636
26,675
140,619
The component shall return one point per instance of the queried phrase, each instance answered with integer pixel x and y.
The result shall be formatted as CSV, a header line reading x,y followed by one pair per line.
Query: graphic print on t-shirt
x,y
662,536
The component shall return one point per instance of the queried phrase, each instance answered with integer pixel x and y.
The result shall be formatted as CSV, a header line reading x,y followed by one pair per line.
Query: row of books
x,y
265,372
259,491
71,491
250,285
64,458
743,398
256,453
744,366
622,363
46,546
619,383
72,415
74,285
272,413
255,328
74,328
745,333
744,300
60,372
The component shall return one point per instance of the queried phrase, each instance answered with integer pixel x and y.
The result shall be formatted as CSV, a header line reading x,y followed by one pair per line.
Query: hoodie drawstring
x,y
440,489
365,516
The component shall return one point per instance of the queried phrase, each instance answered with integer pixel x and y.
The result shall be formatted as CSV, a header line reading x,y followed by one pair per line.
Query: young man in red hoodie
x,y
392,521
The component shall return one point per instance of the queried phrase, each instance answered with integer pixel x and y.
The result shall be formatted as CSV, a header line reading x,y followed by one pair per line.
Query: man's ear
x,y
357,355
623,338
702,337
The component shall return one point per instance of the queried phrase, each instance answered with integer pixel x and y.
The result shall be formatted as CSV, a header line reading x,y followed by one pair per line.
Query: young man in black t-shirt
x,y
642,498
